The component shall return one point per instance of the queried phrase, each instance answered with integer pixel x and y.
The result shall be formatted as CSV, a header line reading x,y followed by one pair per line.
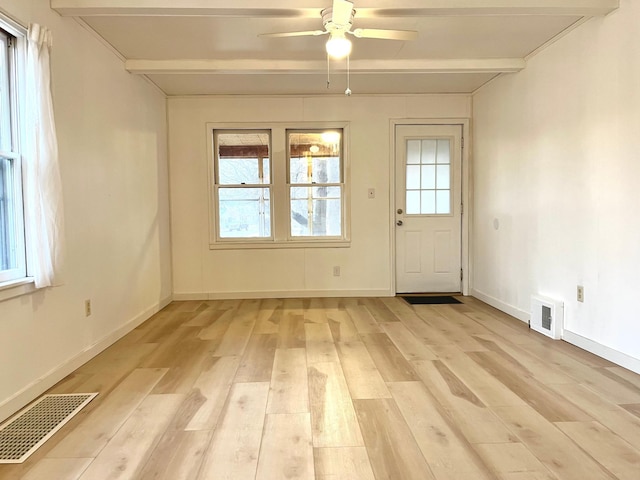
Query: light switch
x,y
371,193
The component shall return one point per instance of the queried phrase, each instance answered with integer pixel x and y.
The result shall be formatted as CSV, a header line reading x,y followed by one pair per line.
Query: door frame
x,y
466,193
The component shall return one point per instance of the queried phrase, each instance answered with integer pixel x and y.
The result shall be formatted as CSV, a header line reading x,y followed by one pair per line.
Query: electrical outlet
x,y
87,308
580,293
371,193
336,271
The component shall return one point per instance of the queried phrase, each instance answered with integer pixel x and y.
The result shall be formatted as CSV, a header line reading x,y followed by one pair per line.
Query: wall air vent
x,y
547,316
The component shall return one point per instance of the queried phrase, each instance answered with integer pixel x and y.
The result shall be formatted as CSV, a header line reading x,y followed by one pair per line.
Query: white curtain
x,y
44,220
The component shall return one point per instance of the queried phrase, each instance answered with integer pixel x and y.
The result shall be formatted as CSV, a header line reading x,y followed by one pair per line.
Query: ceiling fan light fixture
x,y
338,46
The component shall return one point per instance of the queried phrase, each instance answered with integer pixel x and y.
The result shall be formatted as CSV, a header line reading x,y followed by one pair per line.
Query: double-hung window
x,y
279,186
315,183
12,246
243,184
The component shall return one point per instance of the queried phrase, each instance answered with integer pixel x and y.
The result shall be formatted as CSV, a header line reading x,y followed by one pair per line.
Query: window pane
x,y
314,170
8,238
443,151
238,171
244,212
316,211
413,151
428,177
242,157
443,201
444,177
5,102
413,177
428,151
413,203
428,203
314,157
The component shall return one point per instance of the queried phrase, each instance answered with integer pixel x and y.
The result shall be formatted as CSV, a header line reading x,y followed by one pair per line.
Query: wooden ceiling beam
x,y
259,66
311,8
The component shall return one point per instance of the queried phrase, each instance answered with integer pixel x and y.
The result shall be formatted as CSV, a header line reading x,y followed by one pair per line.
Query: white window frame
x,y
16,33
280,201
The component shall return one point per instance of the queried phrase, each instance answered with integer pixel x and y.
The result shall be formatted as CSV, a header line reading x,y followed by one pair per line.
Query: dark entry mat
x,y
431,300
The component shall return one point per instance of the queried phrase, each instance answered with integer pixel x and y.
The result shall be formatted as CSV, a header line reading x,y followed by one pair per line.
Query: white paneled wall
x,y
365,266
112,139
557,164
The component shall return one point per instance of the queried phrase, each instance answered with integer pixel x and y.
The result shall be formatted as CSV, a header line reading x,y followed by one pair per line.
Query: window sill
x,y
16,288
270,245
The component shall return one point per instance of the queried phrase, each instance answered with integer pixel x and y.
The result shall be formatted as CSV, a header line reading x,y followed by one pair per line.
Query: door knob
x,y
399,223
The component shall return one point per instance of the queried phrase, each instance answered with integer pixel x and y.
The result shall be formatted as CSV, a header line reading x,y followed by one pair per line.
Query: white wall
x,y
557,163
112,142
365,266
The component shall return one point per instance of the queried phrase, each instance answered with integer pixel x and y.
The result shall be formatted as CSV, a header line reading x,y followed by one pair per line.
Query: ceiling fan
x,y
337,21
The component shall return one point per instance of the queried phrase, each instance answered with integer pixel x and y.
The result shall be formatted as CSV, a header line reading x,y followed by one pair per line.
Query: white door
x,y
428,208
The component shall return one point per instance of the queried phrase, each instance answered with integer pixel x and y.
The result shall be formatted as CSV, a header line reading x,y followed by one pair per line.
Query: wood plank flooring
x,y
343,389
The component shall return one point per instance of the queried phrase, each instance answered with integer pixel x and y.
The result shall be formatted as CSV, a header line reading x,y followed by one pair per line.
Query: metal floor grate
x,y
26,431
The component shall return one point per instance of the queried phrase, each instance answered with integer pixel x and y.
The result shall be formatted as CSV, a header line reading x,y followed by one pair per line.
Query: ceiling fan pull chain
x,y
347,92
328,77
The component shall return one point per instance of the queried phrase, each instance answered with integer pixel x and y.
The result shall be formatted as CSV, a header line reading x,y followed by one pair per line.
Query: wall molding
x,y
36,388
281,294
603,351
500,305
608,353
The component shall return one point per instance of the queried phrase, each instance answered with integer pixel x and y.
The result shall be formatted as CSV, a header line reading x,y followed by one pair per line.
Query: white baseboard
x,y
500,305
603,351
584,343
281,294
36,388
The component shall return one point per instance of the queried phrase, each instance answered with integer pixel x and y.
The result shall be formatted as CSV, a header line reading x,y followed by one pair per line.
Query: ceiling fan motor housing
x,y
330,25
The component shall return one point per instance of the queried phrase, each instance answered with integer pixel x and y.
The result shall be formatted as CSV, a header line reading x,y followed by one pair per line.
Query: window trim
x,y
17,36
280,201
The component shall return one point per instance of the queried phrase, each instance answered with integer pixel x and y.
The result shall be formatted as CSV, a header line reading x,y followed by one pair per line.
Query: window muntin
x,y
316,182
428,176
12,247
242,171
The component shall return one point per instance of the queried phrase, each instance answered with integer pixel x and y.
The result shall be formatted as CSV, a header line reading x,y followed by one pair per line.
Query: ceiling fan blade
x,y
294,34
385,34
341,12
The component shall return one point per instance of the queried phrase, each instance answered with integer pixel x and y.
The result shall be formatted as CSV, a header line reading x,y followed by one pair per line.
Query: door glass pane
x,y
428,151
443,151
244,212
413,152
413,177
428,177
428,202
444,177
443,202
413,202
428,182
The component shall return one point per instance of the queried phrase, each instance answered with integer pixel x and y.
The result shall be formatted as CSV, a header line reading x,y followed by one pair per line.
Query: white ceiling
x,y
195,47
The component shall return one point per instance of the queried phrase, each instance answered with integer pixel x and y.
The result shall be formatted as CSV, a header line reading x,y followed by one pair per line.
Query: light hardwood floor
x,y
343,389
